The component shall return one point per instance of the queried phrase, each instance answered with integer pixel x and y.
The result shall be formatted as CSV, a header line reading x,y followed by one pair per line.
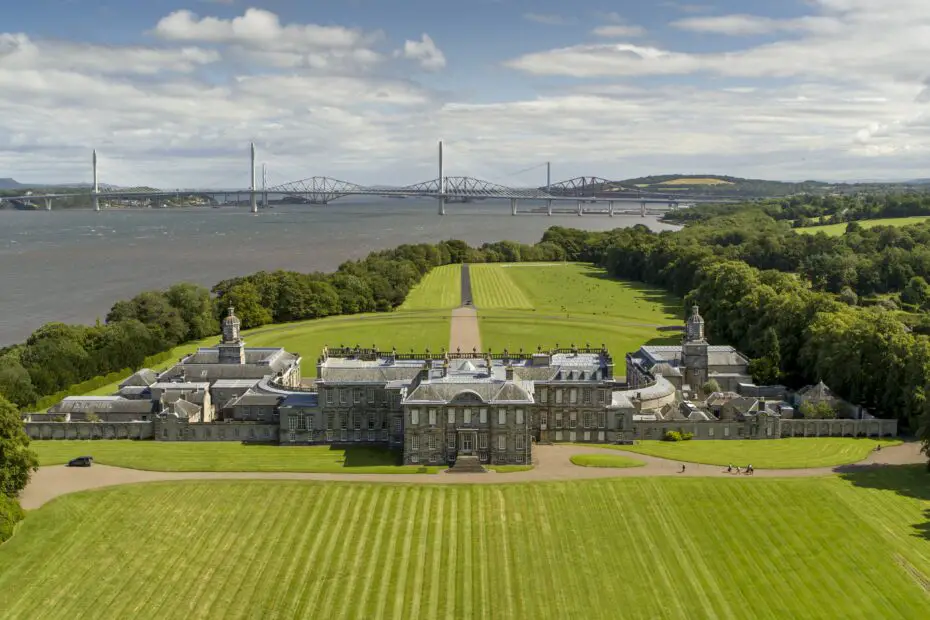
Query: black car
x,y
81,461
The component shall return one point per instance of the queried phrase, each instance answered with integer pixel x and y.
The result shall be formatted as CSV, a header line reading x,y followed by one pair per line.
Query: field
x,y
636,548
441,289
696,181
835,230
789,453
404,330
525,306
225,456
605,460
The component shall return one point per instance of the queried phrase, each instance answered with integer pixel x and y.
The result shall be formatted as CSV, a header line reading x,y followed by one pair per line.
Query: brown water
x,y
72,265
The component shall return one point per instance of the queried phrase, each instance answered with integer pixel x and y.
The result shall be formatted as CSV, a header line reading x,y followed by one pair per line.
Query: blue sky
x,y
171,93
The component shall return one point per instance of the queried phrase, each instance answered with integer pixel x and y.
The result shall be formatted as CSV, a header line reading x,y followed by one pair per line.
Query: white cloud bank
x,y
841,93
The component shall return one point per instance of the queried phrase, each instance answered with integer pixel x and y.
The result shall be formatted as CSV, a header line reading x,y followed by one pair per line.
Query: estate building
x,y
437,408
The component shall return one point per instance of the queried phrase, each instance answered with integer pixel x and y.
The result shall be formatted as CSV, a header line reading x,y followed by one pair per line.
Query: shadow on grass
x,y
369,456
669,303
911,481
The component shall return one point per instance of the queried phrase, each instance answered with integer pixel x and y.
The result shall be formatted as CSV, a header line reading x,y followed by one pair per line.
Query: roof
x,y
301,399
185,409
235,383
489,391
721,398
108,404
143,378
181,385
717,355
255,399
816,392
620,400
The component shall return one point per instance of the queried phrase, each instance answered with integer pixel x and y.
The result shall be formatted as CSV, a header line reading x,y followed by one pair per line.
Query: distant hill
x,y
9,183
723,186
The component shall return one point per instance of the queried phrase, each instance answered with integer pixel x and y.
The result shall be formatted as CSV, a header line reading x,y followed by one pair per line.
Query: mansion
x,y
450,407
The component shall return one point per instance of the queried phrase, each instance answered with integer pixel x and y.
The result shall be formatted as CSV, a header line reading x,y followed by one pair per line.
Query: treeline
x,y
59,359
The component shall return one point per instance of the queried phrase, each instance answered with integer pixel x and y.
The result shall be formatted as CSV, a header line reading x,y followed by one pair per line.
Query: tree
x,y
766,370
917,292
17,461
710,386
817,410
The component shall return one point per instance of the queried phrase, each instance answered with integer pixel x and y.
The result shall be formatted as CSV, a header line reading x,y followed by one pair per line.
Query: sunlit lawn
x,y
440,289
605,460
835,230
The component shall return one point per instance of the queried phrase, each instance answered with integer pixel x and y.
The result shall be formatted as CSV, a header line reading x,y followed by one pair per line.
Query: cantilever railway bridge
x,y
323,190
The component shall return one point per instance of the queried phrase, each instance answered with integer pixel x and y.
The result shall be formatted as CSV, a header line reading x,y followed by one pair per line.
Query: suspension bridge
x,y
576,193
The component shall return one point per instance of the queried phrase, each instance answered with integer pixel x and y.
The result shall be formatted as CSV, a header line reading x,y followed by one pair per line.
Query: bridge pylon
x,y
253,202
95,198
442,184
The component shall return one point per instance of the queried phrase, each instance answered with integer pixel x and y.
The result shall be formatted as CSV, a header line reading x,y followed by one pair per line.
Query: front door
x,y
468,443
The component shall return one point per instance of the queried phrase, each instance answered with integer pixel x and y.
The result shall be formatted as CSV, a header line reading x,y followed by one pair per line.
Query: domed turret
x,y
231,325
694,331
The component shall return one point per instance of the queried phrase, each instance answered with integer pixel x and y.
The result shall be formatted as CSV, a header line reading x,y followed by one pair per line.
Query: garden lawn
x,y
835,230
441,288
788,453
226,456
605,460
405,330
633,548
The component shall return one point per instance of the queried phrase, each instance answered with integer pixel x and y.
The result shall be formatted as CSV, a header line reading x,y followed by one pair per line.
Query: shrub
x,y
672,436
687,436
11,513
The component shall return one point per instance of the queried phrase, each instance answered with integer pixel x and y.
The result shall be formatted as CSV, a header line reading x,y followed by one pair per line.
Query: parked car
x,y
81,461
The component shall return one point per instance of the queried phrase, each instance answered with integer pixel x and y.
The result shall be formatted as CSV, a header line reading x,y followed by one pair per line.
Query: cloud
x,y
618,31
548,19
425,52
256,28
746,25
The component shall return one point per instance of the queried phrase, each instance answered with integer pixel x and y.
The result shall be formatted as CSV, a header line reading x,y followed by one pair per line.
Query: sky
x,y
171,93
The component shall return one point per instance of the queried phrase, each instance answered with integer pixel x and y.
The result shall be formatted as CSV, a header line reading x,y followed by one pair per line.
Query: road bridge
x,y
577,193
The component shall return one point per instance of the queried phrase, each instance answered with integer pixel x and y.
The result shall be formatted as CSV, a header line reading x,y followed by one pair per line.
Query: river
x,y
71,265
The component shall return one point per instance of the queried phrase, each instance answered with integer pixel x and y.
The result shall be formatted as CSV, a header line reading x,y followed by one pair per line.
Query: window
x,y
587,435
573,396
357,395
601,395
586,396
600,435
329,396
371,395
558,397
502,416
414,458
292,422
588,419
384,397
483,441
371,422
414,416
450,441
164,433
710,431
519,458
726,431
415,443
451,414
343,396
466,416
357,435
571,436
371,435
558,420
399,425
543,420
432,442
543,395
519,416
572,420
384,435
602,419
344,421
343,435
501,443
483,415
432,417
292,436
330,420
558,435
520,441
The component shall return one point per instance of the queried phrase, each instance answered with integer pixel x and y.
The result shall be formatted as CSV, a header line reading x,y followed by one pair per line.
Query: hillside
x,y
9,183
724,186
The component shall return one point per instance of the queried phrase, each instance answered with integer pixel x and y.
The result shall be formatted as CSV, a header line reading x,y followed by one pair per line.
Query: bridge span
x,y
574,195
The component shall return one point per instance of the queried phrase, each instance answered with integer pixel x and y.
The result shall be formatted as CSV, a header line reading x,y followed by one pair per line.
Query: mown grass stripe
x,y
362,538
439,539
384,515
400,591
337,555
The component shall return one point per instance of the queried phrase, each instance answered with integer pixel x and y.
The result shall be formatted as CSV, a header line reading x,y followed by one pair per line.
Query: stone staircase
x,y
467,465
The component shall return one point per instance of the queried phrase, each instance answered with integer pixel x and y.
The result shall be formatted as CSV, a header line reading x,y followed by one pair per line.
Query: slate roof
x,y
185,409
142,378
303,399
255,399
101,404
235,383
717,355
491,392
275,358
620,400
816,392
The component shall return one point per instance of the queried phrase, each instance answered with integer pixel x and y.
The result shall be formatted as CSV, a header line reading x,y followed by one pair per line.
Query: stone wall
x,y
178,429
90,430
766,428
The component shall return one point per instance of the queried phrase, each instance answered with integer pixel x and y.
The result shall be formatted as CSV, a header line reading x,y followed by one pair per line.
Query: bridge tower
x,y
95,199
253,202
548,186
442,184
642,208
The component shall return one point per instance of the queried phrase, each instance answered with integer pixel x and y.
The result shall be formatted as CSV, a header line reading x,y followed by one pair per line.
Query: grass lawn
x,y
405,330
633,548
789,453
835,230
508,469
605,460
440,289
526,305
226,456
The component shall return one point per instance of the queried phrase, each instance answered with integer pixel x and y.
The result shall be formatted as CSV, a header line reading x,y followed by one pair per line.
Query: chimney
x,y
508,373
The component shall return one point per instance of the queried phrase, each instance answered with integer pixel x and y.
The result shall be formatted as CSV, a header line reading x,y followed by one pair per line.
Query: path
x,y
464,334
552,463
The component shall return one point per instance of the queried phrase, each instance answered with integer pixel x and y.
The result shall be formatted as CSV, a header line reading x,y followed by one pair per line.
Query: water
x,y
72,265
